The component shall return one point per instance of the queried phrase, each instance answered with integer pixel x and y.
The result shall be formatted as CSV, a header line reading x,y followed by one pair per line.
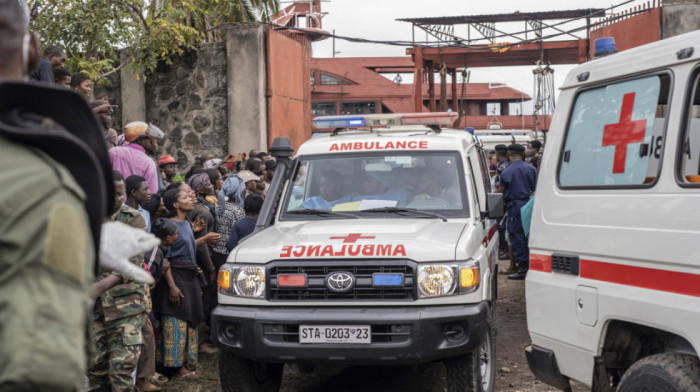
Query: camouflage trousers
x,y
117,351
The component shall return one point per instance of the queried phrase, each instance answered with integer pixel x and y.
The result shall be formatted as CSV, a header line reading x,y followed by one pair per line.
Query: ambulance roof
x,y
640,59
402,138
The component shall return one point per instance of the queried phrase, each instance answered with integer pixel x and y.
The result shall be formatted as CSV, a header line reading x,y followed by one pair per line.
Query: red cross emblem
x,y
624,133
351,238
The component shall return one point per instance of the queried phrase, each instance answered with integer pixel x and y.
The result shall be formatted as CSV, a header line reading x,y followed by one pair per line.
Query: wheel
x,y
668,372
476,371
242,375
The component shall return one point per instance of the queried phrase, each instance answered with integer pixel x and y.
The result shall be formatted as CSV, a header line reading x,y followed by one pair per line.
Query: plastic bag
x,y
526,215
119,242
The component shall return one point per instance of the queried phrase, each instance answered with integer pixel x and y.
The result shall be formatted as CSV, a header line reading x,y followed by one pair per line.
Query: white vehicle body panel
x,y
630,241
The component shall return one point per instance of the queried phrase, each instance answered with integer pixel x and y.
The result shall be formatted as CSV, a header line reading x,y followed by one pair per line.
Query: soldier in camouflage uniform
x,y
119,314
53,198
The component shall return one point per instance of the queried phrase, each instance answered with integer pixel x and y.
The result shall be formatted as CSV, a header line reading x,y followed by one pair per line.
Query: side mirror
x,y
495,205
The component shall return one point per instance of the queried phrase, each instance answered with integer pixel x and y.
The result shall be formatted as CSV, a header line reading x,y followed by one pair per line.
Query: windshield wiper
x,y
404,209
322,213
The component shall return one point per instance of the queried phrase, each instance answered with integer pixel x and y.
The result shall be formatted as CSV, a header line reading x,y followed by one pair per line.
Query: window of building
x,y
690,151
493,108
615,134
358,107
313,77
331,80
322,108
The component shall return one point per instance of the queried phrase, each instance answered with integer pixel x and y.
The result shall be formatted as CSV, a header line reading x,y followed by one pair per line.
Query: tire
x,y
668,372
476,371
242,375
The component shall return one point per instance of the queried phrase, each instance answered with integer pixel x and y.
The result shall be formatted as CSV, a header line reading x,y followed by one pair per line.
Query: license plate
x,y
335,334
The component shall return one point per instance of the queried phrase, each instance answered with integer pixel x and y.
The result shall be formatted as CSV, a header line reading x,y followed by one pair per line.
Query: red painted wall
x,y
288,89
631,31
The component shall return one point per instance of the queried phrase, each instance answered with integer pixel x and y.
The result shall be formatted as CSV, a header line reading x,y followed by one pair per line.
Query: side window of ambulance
x,y
485,175
615,134
690,150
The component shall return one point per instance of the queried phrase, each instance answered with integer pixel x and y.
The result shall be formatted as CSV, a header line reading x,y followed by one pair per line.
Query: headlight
x,y
435,280
244,281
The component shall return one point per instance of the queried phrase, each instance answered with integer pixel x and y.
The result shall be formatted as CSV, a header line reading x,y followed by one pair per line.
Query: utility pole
x,y
333,43
522,114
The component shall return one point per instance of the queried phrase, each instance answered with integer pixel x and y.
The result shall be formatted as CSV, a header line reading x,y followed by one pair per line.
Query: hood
x,y
415,239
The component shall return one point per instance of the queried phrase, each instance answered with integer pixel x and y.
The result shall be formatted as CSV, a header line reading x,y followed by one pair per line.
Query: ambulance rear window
x,y
615,135
689,167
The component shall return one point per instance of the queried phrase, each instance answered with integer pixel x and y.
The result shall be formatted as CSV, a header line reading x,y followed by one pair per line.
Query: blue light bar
x,y
339,122
381,279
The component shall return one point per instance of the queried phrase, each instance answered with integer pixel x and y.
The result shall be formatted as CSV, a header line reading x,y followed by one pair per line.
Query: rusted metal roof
x,y
510,17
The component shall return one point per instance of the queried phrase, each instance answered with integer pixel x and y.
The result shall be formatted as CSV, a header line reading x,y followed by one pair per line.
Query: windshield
x,y
401,185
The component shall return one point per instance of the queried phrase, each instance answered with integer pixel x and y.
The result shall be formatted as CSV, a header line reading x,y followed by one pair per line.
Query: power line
x,y
432,44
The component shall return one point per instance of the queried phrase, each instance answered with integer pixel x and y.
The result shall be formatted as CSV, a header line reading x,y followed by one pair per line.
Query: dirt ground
x,y
512,372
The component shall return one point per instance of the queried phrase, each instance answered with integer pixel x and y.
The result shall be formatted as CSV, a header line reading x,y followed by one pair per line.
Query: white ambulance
x,y
375,246
613,291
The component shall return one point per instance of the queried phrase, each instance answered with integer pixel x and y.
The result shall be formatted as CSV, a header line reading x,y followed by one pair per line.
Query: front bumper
x,y
403,335
543,364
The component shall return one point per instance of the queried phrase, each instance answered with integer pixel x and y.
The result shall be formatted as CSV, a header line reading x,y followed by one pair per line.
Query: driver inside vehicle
x,y
330,192
430,187
374,189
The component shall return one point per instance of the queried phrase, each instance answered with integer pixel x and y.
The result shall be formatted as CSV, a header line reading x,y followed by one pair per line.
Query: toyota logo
x,y
340,282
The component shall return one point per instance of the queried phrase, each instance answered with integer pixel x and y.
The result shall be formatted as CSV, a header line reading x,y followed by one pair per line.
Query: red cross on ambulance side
x,y
624,133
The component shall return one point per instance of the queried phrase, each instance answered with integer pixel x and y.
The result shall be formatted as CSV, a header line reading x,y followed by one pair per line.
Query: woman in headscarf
x,y
230,209
202,186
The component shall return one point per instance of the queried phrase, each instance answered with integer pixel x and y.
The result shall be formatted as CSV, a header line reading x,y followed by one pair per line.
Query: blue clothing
x,y
516,234
502,165
145,214
185,246
241,228
519,179
319,203
161,186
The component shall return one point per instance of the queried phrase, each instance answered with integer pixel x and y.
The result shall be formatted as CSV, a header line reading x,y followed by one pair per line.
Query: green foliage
x,y
94,32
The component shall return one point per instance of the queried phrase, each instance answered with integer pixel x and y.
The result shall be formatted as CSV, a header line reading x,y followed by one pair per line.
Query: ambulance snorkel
x,y
282,151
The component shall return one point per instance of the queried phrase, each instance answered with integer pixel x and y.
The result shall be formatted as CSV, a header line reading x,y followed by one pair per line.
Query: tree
x,y
93,32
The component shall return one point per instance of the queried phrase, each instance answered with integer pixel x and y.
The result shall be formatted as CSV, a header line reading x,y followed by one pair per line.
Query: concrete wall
x,y
133,87
246,78
187,100
110,88
680,16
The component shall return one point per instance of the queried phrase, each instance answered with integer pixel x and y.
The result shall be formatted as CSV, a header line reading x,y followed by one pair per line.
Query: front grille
x,y
316,289
381,333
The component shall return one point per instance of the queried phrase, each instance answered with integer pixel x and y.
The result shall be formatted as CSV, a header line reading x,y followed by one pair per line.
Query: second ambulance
x,y
376,245
613,292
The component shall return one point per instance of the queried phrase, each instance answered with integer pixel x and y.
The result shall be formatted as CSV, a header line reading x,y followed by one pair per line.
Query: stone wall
x,y
187,100
214,99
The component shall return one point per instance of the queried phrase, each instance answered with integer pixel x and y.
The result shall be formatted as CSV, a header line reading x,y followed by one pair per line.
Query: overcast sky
x,y
376,19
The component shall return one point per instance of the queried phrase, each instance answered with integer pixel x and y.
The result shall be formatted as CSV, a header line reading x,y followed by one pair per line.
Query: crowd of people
x,y
199,216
